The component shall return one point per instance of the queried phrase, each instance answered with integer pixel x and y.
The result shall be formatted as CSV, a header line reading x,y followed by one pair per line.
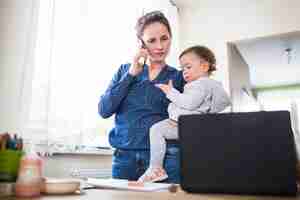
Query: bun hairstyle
x,y
150,18
204,53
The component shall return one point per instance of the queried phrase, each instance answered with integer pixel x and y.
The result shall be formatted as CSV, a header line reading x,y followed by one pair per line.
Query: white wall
x,y
214,23
238,66
16,44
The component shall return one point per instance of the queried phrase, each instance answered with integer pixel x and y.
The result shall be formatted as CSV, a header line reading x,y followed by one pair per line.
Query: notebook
x,y
122,184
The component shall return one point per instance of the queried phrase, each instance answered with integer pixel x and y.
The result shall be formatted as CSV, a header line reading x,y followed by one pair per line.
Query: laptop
x,y
238,153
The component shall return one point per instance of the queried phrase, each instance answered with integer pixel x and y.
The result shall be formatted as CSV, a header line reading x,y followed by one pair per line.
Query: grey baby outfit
x,y
203,95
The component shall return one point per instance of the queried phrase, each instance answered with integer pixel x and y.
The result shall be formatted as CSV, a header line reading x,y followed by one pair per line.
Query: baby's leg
x,y
159,132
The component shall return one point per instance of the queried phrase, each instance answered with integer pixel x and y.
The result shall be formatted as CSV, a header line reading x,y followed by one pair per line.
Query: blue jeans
x,y
131,164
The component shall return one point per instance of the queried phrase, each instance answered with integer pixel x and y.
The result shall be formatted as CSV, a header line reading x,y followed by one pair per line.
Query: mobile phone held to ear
x,y
143,46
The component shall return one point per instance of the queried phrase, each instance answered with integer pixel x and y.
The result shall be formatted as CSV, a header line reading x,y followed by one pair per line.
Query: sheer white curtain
x,y
80,45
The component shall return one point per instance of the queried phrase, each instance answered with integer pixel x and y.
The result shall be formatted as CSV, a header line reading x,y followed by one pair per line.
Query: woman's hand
x,y
137,67
166,88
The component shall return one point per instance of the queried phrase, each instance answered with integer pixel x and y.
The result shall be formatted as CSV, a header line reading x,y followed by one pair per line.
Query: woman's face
x,y
158,41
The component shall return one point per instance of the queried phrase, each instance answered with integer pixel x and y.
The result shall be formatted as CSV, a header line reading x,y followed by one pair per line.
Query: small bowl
x,y
60,186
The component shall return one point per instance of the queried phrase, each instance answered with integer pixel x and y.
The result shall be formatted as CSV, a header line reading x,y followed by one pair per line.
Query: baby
x,y
201,95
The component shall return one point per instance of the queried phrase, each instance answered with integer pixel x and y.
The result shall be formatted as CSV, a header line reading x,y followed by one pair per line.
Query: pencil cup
x,y
9,165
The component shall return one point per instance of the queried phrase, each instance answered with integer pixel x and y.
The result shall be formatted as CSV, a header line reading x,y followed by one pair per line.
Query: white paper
x,y
127,185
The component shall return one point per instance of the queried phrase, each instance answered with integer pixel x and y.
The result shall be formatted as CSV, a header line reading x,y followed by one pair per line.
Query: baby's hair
x,y
204,53
150,18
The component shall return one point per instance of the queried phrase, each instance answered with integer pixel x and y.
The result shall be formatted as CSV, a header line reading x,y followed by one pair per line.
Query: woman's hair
x,y
150,18
203,53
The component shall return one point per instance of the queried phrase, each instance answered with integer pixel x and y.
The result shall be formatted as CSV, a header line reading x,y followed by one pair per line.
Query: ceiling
x,y
186,3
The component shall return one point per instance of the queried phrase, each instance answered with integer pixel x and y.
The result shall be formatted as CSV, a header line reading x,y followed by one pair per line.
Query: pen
x,y
19,145
4,141
9,142
15,142
1,138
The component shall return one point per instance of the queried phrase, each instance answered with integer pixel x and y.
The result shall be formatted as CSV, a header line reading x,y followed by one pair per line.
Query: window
x,y
79,46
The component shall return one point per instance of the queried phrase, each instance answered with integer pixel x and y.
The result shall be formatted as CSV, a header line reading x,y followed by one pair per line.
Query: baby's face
x,y
193,67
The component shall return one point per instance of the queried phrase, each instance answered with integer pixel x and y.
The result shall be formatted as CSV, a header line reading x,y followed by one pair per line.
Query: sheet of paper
x,y
127,185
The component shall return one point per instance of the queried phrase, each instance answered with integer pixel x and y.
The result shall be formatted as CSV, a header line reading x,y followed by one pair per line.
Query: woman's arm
x,y
116,92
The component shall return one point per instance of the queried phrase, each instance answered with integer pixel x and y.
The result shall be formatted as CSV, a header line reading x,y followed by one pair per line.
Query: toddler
x,y
201,95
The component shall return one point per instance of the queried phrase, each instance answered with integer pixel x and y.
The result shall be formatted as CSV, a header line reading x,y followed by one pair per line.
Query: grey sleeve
x,y
220,100
175,111
190,99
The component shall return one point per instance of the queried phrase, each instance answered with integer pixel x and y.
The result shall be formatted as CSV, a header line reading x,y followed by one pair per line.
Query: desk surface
x,y
105,194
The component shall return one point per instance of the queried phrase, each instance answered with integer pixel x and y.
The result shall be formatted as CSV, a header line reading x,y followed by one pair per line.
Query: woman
x,y
138,104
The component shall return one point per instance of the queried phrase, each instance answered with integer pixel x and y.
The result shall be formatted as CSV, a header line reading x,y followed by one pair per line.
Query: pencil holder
x,y
9,165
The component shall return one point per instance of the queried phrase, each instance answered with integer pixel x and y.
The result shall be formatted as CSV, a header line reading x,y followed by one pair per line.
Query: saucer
x,y
60,186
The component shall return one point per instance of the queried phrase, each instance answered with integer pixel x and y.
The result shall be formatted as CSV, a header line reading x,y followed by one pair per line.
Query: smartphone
x,y
143,45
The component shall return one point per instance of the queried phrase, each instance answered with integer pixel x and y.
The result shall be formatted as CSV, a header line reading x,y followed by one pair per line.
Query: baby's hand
x,y
166,88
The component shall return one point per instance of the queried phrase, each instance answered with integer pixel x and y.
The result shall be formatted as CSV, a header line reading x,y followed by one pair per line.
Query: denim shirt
x,y
137,104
